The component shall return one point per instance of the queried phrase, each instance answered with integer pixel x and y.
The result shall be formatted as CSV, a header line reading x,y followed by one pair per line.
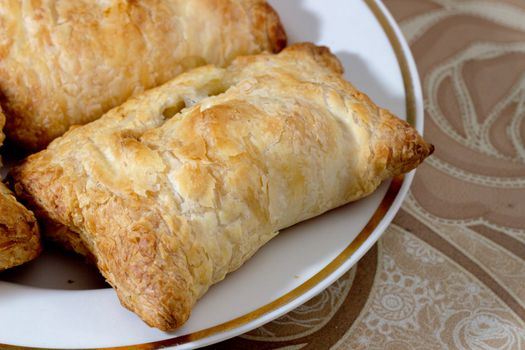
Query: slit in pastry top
x,y
170,196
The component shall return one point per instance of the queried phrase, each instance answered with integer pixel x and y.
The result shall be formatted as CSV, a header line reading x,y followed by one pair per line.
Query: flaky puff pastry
x,y
19,235
169,201
66,62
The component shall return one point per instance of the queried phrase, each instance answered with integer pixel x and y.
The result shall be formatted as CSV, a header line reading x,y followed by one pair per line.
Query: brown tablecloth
x,y
449,273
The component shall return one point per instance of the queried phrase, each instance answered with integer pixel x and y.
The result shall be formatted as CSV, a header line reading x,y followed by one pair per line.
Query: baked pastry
x,y
19,236
182,184
64,63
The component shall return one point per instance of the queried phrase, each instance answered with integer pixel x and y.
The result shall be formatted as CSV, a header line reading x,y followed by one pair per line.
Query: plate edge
x,y
387,208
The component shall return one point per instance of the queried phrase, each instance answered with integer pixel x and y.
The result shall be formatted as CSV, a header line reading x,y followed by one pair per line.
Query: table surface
x,y
449,273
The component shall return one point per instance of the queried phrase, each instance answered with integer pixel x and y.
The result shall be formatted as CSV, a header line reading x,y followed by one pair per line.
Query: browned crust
x,y
25,138
266,26
161,293
274,29
19,235
399,161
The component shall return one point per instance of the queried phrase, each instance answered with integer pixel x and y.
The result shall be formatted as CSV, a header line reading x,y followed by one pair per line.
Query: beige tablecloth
x,y
449,273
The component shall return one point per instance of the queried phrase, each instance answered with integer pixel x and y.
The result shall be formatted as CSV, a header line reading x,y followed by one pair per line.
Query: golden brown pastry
x,y
182,184
19,236
67,62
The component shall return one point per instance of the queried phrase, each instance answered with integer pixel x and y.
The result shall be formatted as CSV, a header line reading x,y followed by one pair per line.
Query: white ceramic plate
x,y
58,302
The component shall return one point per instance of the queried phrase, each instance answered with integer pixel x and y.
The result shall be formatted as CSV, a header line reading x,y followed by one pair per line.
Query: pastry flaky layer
x,y
182,184
65,63
19,235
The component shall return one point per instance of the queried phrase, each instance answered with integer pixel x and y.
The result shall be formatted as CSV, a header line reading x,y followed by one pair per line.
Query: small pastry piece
x,y
65,63
182,184
19,236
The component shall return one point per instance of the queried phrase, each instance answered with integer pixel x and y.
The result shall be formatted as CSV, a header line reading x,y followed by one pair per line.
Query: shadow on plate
x,y
56,269
358,73
300,23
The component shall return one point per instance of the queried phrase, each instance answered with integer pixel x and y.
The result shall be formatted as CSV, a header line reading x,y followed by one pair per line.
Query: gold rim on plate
x,y
346,254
